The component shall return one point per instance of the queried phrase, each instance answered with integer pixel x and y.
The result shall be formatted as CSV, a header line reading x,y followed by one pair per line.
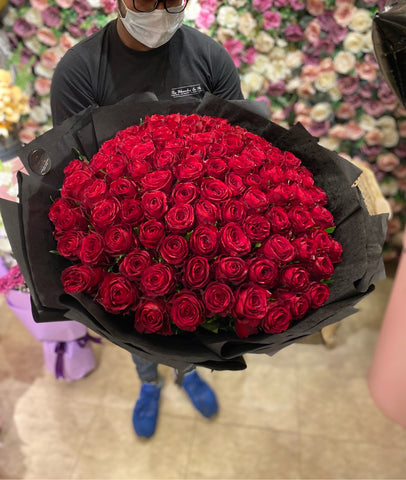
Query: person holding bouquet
x,y
146,50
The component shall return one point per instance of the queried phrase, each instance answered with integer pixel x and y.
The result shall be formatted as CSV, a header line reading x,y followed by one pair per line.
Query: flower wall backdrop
x,y
312,61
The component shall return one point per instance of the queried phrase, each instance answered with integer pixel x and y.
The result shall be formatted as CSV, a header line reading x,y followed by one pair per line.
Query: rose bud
x,y
279,249
251,304
196,272
263,271
204,241
131,212
257,228
134,264
81,278
117,294
155,204
151,233
157,280
174,249
180,218
234,241
277,319
231,269
151,317
105,213
186,311
206,212
218,299
335,251
295,278
317,293
185,192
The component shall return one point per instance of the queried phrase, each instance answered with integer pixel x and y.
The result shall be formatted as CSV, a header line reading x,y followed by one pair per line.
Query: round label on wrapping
x,y
39,161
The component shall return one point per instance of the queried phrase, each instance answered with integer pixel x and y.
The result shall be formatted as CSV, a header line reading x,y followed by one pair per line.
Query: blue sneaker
x,y
145,413
201,395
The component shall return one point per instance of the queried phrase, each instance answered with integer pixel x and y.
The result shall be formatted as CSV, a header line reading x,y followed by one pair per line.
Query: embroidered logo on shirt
x,y
186,91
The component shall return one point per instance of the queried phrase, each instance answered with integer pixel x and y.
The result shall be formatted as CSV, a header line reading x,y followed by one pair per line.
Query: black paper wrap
x,y
30,234
389,40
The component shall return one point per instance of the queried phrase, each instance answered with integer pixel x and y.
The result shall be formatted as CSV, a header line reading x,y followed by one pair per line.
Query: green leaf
x,y
330,229
211,327
79,155
55,252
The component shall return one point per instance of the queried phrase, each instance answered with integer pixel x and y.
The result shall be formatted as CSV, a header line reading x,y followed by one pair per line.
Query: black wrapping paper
x,y
30,234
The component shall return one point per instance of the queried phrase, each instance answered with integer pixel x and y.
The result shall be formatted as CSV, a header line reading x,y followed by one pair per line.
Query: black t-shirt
x,y
102,70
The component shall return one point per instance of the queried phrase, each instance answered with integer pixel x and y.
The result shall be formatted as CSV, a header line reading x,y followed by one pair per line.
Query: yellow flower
x,y
13,103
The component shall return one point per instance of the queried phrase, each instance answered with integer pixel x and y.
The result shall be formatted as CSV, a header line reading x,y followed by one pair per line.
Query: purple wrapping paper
x,y
20,303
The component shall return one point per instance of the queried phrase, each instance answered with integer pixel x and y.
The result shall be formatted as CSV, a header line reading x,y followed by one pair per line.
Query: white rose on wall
x,y
252,82
227,17
277,70
264,42
294,59
344,62
260,63
354,42
34,17
325,81
321,111
247,24
367,122
361,20
237,3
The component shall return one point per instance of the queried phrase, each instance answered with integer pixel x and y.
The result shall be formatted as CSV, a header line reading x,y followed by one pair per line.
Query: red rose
x,y
185,192
186,311
174,249
231,269
335,251
295,278
241,165
157,280
116,167
214,190
253,180
218,299
279,219
317,294
134,264
155,204
127,141
165,159
91,249
180,218
117,294
131,211
279,248
275,155
277,319
109,147
138,168
234,240
272,175
95,191
151,317
204,241
322,240
151,233
298,303
158,180
216,168
302,196
257,228
263,271
206,212
161,135
255,153
235,183
322,268
105,213
74,166
300,219
322,216
234,143
66,216
75,184
189,169
69,243
305,247
123,188
233,211
99,162
243,329
81,278
118,239
291,160
282,194
196,272
143,152
251,304
319,195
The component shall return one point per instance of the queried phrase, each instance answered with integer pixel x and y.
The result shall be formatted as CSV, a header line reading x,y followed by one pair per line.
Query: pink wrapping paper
x,y
387,375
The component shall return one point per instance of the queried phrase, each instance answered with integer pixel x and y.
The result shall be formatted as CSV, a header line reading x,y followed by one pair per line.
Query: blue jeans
x,y
148,371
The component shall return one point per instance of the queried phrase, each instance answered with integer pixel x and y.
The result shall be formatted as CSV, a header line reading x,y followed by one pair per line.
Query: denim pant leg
x,y
147,371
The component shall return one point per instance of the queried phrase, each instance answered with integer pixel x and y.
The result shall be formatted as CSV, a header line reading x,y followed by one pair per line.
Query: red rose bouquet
x,y
187,221
196,232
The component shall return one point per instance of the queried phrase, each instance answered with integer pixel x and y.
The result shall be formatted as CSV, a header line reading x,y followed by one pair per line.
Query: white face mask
x,y
151,29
